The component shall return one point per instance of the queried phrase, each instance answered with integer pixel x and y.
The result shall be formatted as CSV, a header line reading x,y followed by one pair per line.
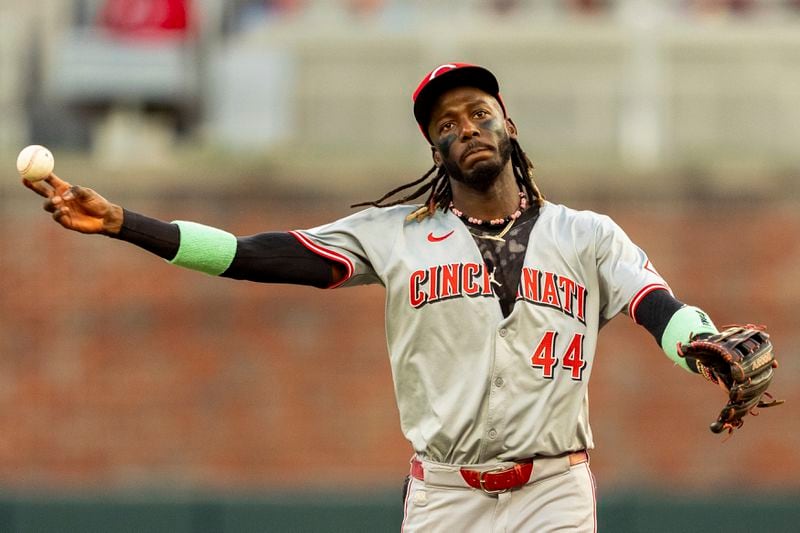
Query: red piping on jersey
x,y
644,291
327,254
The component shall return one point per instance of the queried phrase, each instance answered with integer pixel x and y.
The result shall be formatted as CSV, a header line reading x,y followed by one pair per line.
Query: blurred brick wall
x,y
120,371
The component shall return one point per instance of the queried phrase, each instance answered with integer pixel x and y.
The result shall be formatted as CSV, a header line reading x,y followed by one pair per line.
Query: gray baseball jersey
x,y
472,386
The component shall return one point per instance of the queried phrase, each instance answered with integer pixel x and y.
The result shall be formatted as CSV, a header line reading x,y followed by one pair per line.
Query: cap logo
x,y
440,67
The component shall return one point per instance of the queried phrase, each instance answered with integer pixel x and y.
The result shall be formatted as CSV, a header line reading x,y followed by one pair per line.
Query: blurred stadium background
x,y
138,397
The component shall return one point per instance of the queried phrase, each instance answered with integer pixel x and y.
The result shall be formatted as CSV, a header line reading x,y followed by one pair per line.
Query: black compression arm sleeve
x,y
278,257
155,236
274,257
655,310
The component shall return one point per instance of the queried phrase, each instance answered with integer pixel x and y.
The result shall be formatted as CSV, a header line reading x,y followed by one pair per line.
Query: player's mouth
x,y
477,149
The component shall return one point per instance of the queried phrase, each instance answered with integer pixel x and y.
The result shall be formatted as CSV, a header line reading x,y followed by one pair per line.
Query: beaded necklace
x,y
523,205
508,221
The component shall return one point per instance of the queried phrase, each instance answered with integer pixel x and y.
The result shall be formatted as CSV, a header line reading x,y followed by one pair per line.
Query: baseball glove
x,y
740,360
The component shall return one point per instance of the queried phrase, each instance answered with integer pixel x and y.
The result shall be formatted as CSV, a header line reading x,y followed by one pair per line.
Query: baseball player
x,y
494,300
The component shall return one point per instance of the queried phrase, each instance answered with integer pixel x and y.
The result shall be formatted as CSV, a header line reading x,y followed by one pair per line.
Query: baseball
x,y
35,162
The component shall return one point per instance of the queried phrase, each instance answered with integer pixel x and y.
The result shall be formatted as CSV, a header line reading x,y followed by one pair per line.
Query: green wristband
x,y
686,321
204,248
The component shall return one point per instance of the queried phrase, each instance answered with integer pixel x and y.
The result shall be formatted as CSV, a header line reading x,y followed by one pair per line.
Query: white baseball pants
x,y
558,497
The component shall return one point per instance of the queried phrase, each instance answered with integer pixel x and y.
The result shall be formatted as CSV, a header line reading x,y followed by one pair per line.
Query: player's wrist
x,y
112,221
686,324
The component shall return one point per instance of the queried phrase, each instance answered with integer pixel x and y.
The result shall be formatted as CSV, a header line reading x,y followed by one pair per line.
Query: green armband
x,y
204,248
686,321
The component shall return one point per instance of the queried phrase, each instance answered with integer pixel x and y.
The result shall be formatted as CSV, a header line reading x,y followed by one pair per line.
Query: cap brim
x,y
472,76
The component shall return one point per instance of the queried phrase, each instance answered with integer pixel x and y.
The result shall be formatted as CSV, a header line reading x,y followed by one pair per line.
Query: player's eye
x,y
481,113
447,126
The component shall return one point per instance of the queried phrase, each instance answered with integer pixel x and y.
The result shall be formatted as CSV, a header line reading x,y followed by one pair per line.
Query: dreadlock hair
x,y
438,187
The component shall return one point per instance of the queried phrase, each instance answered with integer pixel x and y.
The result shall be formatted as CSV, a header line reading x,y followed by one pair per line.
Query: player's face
x,y
471,136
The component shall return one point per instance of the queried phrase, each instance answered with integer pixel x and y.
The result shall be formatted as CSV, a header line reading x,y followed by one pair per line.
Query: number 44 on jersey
x,y
544,356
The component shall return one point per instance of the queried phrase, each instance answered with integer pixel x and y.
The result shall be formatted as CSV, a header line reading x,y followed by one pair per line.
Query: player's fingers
x,y
38,187
62,216
53,203
57,183
72,193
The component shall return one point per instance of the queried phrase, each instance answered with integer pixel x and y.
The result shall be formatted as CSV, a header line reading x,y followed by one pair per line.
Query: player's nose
x,y
468,129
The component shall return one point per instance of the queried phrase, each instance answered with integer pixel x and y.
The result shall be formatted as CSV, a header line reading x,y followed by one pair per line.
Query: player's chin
x,y
482,174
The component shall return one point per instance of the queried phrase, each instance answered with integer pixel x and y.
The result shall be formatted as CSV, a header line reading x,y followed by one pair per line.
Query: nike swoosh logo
x,y
433,238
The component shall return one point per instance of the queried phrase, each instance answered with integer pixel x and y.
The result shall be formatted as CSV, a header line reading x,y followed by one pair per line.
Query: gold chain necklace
x,y
499,236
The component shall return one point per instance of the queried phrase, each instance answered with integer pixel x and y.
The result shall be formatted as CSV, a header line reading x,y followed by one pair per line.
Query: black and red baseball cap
x,y
446,77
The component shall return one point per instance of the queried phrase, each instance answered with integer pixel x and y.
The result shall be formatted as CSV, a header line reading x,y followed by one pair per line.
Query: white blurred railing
x,y
634,86
581,94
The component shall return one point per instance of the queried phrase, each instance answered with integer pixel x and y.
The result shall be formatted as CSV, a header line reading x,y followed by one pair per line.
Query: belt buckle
x,y
482,481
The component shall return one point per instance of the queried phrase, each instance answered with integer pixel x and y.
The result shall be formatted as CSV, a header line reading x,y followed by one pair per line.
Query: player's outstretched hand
x,y
77,208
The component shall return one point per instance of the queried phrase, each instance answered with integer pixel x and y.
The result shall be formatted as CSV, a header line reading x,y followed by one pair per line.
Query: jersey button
x,y
499,382
492,434
503,332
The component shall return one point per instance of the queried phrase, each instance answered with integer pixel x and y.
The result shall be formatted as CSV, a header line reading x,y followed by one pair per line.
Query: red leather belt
x,y
499,479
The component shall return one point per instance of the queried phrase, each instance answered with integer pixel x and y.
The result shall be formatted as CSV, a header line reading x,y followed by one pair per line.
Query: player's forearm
x,y
153,235
274,257
670,321
655,310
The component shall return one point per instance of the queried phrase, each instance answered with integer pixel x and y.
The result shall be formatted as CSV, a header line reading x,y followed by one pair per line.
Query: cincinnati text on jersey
x,y
457,280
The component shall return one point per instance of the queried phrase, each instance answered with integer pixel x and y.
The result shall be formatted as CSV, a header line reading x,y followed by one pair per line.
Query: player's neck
x,y
499,200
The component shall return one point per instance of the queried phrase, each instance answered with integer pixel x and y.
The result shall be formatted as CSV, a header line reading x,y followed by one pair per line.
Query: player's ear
x,y
511,128
436,156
